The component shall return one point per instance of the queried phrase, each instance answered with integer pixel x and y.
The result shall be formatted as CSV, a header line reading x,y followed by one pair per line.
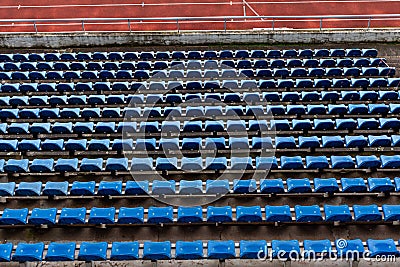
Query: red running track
x,y
59,9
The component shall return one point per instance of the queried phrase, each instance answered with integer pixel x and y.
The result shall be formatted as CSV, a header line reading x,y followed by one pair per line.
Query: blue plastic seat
x,y
358,109
353,185
192,126
14,216
192,164
253,249
326,185
219,214
52,145
29,189
244,186
266,163
317,162
390,162
391,212
83,188
61,251
248,214
298,185
7,189
137,187
381,248
189,250
170,126
291,163
337,109
271,186
308,142
221,250
337,213
160,215
122,251
101,215
72,216
161,187
332,141
66,165
62,128
301,125
353,249
316,109
190,214
380,185
93,251
356,141
368,162
190,187
91,165
308,213
142,164
157,250
16,165
145,144
28,252
105,127
131,215
241,163
76,145
217,186
8,145
18,128
191,143
283,249
43,216
5,252
278,213
366,213
317,248
110,188
342,162
56,189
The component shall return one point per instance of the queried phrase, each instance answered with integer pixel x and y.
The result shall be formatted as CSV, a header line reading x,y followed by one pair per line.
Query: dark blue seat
x,y
42,165
14,216
29,189
76,145
7,189
93,251
91,165
353,185
366,213
16,165
390,162
43,216
337,213
159,215
52,145
221,250
72,216
157,250
190,214
122,251
308,213
28,252
219,214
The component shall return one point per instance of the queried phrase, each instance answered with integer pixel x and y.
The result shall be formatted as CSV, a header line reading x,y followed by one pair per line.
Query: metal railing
x,y
225,20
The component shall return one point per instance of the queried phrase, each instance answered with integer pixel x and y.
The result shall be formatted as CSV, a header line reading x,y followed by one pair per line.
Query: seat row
x,y
232,126
198,164
193,64
161,215
190,98
198,143
196,187
195,54
191,250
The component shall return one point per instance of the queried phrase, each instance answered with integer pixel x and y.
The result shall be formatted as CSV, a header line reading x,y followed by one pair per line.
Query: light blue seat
x,y
131,215
110,188
285,249
72,216
191,164
337,213
189,250
389,123
380,185
317,162
298,185
316,109
342,162
66,165
105,127
149,127
190,187
93,251
248,214
308,213
159,215
353,185
366,213
40,128
62,128
16,165
157,250
261,143
166,144
76,145
122,251
166,164
217,186
219,214
346,124
14,216
70,113
61,251
190,214
56,189
137,187
391,212
142,164
221,250
29,189
53,145
28,252
291,163
91,165
83,188
8,145
244,186
162,187
7,189
238,143
43,216
83,127
241,163
332,141
41,165
102,215
326,185
18,128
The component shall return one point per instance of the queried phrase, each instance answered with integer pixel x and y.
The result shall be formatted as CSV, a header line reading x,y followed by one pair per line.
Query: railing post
x,y
273,24
83,25
34,25
369,22
177,25
129,25
225,25
320,24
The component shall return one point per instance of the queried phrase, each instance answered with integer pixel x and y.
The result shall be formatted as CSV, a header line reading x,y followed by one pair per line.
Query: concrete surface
x,y
54,40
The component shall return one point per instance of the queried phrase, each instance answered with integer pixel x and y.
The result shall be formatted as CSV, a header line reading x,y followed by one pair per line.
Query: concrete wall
x,y
52,40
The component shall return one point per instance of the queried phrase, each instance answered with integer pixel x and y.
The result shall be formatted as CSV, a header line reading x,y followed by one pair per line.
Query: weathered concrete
x,y
60,40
